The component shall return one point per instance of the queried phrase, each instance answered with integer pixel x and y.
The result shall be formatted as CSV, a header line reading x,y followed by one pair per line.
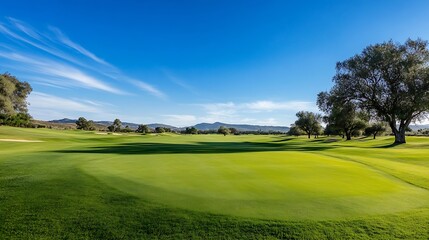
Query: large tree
x,y
143,129
116,126
344,117
13,95
308,122
223,130
160,130
376,128
295,131
389,80
191,130
84,124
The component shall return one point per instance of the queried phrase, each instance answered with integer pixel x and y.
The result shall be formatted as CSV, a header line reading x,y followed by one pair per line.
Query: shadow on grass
x,y
198,148
391,145
283,140
326,140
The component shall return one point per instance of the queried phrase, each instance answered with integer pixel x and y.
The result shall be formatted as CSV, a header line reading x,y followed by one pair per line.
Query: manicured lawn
x,y
85,185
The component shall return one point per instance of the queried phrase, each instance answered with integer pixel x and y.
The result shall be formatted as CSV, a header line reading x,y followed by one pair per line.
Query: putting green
x,y
269,184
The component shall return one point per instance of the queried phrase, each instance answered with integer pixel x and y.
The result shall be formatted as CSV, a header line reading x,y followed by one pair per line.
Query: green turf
x,y
84,185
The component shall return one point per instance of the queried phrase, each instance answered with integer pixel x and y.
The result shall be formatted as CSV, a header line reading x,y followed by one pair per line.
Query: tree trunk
x,y
375,135
349,136
309,135
399,134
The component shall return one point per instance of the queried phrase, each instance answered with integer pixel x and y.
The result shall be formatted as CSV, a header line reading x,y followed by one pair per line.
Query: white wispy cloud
x,y
229,108
220,110
148,88
68,67
47,107
59,71
65,40
253,112
40,44
180,120
40,100
26,29
179,82
270,105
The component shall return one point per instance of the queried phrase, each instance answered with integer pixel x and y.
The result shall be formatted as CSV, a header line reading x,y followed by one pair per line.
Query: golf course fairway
x,y
82,185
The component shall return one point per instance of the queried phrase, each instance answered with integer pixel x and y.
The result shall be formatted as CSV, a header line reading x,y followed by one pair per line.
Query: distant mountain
x,y
108,123
200,126
64,120
417,127
241,127
155,125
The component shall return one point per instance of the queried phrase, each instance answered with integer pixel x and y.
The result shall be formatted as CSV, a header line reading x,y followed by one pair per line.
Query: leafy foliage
x,y
159,130
13,101
223,130
390,81
16,120
295,131
143,129
309,122
84,124
343,117
191,130
13,95
375,129
116,126
234,131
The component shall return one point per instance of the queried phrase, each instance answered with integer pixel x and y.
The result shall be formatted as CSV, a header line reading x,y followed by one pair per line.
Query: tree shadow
x,y
391,145
283,140
325,140
197,148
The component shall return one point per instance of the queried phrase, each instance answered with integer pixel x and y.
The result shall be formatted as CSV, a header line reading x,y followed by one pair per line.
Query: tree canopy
x,y
295,131
224,130
13,95
84,124
343,117
143,129
160,130
309,122
13,101
116,126
191,130
376,128
388,80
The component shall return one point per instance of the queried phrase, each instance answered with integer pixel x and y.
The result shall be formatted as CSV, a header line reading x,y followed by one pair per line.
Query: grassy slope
x,y
82,185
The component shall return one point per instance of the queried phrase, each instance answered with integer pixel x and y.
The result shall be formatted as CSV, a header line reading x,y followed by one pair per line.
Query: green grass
x,y
80,185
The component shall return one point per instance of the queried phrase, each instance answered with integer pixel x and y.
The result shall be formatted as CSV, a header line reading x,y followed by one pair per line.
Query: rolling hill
x,y
200,126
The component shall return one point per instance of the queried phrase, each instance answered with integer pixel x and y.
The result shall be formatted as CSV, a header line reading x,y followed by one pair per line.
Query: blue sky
x,y
185,62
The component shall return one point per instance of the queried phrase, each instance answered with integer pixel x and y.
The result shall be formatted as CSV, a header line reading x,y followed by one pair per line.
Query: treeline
x,y
89,125
228,131
347,125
